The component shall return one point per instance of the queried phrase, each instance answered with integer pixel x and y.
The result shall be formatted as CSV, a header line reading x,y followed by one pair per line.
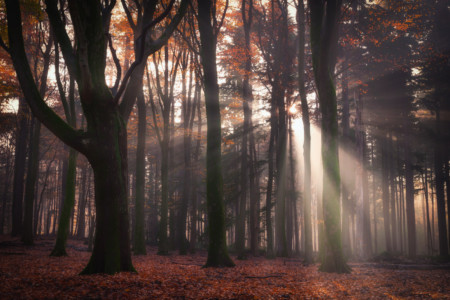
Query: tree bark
x,y
410,210
139,223
307,223
217,250
269,190
30,185
20,156
67,206
324,36
440,196
82,198
385,192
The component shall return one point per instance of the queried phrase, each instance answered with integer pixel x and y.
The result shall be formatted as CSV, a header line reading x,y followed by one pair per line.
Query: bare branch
x,y
117,63
3,45
152,103
141,38
129,16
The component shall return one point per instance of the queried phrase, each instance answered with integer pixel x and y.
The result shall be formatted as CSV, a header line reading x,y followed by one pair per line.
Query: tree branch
x,y
129,16
37,104
3,45
117,63
62,37
140,57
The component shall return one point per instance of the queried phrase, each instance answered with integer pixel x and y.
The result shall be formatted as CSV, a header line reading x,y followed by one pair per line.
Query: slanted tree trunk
x,y
33,157
217,250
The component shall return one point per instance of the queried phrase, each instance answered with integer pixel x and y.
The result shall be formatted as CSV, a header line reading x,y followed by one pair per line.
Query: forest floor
x,y
29,273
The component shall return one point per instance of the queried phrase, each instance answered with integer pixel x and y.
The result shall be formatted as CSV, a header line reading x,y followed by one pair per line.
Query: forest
x,y
224,149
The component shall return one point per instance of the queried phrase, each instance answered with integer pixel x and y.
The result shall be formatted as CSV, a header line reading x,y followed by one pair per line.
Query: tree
x,y
209,30
166,101
436,73
145,20
69,176
301,21
324,36
104,143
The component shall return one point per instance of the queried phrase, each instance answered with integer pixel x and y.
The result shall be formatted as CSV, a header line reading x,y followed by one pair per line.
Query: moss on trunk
x,y
67,207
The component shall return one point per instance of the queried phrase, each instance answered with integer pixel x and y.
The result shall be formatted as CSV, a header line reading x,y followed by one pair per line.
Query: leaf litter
x,y
30,273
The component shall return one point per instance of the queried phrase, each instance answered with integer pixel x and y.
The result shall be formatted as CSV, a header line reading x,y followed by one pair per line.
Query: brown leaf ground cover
x,y
29,273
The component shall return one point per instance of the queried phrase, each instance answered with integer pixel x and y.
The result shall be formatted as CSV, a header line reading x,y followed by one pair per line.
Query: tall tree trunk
x,y
440,196
6,189
30,186
324,36
346,212
269,190
111,252
428,231
359,190
281,172
393,215
69,171
82,198
22,134
410,210
254,196
385,192
291,208
139,222
194,197
188,112
307,223
153,195
447,185
67,205
374,199
217,250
